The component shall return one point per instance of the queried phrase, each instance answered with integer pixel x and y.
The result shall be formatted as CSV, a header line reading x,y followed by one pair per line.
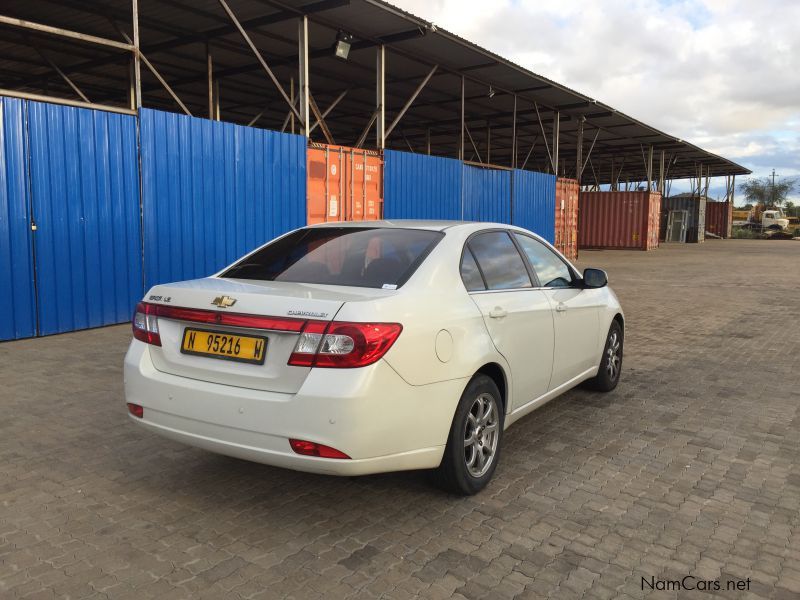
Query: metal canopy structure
x,y
404,84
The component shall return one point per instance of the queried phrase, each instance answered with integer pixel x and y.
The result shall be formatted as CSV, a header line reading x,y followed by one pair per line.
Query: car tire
x,y
610,367
476,435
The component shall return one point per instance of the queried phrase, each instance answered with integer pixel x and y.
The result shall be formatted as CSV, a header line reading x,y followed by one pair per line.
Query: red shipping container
x,y
343,184
719,218
566,238
619,220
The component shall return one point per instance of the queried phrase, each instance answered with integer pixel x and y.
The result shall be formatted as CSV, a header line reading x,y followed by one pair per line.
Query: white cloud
x,y
724,74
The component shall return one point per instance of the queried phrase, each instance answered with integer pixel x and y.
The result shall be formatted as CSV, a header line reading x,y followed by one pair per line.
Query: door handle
x,y
497,312
561,307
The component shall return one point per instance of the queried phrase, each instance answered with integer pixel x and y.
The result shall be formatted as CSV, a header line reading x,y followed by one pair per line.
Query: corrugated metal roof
x,y
174,36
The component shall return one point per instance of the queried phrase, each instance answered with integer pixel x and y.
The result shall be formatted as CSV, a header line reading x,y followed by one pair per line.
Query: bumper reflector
x,y
314,449
136,410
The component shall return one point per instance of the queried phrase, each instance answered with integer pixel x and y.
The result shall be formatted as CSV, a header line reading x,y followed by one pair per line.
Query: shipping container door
x,y
344,184
486,194
327,173
17,299
566,217
85,199
364,190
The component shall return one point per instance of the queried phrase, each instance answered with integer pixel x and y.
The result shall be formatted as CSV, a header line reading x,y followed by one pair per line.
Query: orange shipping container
x,y
344,184
566,238
619,220
719,218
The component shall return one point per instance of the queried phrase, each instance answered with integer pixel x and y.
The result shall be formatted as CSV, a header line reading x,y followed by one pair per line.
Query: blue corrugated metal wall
x,y
534,205
85,197
418,186
212,191
17,300
487,195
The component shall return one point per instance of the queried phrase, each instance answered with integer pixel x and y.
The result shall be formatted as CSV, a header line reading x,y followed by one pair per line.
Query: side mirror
x,y
594,278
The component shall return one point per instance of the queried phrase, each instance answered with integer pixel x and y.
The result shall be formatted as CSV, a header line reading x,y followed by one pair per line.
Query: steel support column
x,y
461,134
556,137
380,98
488,142
579,150
210,76
137,64
514,136
302,40
293,99
661,174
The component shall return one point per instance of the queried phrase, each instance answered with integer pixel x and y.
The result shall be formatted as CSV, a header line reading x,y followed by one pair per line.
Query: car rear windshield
x,y
353,256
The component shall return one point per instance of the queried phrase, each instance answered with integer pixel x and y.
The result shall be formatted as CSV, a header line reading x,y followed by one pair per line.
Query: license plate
x,y
224,345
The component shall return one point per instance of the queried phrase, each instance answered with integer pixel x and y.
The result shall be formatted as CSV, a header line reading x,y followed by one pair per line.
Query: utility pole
x,y
773,187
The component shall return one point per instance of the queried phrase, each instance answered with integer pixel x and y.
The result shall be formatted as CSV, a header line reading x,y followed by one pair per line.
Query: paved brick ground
x,y
689,467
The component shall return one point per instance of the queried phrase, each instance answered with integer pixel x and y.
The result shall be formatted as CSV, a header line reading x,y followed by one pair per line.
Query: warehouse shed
x,y
146,140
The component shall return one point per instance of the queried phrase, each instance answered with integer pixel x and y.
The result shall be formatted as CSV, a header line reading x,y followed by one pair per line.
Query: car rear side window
x,y
549,268
470,274
352,256
499,261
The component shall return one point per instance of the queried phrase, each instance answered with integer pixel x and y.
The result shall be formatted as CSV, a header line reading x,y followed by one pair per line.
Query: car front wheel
x,y
473,446
610,369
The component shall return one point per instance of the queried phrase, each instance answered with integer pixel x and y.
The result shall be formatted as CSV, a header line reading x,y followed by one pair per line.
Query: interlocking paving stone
x,y
689,468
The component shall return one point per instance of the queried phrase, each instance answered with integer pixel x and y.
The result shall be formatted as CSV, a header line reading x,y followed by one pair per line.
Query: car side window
x,y
470,274
499,261
549,268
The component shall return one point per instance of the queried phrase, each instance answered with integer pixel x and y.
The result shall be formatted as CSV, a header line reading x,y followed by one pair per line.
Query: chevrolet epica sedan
x,y
366,347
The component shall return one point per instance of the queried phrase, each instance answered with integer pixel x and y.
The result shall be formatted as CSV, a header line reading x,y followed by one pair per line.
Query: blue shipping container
x,y
17,300
213,191
418,186
534,203
85,197
487,194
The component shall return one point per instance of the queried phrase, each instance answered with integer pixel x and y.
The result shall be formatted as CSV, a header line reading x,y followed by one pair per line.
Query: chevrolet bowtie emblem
x,y
223,301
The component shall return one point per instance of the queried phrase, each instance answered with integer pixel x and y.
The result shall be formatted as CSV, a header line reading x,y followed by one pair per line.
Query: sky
x,y
723,74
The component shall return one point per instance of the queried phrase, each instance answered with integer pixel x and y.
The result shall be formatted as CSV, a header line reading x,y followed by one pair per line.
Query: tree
x,y
761,190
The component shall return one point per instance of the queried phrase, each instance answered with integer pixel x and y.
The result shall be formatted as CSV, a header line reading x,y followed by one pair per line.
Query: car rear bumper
x,y
371,414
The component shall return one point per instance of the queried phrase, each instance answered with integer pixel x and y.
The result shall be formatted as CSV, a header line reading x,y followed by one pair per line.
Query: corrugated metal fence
x,y
418,186
69,196
213,191
487,195
17,299
85,196
534,202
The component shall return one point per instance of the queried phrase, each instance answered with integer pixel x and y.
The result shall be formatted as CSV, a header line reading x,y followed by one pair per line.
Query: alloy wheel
x,y
481,435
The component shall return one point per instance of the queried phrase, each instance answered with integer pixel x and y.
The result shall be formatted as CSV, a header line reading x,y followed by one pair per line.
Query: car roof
x,y
432,225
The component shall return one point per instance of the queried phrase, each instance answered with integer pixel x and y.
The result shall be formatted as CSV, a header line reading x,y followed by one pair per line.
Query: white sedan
x,y
356,348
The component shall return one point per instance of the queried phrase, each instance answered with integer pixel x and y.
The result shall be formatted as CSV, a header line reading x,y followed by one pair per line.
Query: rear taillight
x,y
145,324
314,449
343,345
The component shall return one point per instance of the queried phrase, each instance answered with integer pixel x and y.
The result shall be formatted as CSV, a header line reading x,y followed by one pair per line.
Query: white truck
x,y
774,219
765,219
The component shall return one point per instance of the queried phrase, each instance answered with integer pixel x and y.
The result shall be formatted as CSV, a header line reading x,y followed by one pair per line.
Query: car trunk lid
x,y
223,301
